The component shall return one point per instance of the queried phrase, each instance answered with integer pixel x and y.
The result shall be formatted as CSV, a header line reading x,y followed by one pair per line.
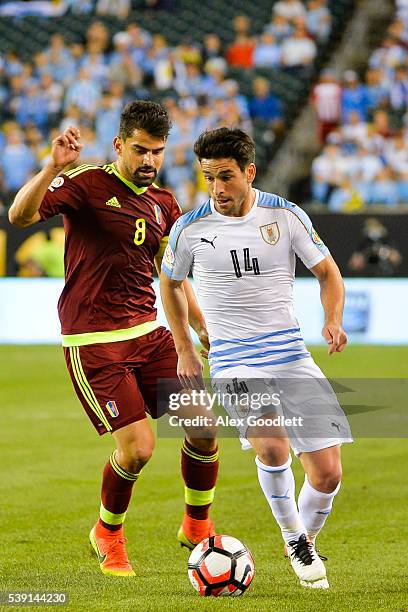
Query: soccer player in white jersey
x,y
241,246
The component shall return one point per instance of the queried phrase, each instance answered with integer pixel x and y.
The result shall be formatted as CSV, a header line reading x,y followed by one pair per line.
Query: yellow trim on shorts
x,y
85,387
116,335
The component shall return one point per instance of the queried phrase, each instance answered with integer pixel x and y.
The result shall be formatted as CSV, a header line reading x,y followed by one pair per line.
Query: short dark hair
x,y
226,142
144,115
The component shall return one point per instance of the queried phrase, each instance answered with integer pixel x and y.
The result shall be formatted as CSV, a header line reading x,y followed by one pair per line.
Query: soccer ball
x,y
221,565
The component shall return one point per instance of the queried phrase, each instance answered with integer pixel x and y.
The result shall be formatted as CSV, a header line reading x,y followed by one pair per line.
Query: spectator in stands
x,y
399,89
267,53
346,197
12,64
212,47
97,37
32,107
41,65
188,52
381,125
326,100
72,115
180,178
265,108
59,60
376,92
121,66
215,70
106,122
241,25
354,130
232,92
354,96
396,155
157,66
388,56
240,53
92,152
36,142
367,166
84,92
279,27
290,9
326,172
15,95
298,51
383,189
318,19
190,82
17,160
399,32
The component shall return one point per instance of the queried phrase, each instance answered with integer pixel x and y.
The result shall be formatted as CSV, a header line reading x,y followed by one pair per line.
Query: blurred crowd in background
x,y
363,124
87,83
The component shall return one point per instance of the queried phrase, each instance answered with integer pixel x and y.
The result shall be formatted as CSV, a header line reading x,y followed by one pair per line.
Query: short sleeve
x,y
174,213
305,241
63,195
178,258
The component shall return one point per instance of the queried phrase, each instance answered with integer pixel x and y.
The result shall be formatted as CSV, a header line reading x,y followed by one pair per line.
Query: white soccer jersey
x,y
244,269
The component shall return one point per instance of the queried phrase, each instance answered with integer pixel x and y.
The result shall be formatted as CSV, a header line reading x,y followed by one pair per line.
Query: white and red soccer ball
x,y
221,566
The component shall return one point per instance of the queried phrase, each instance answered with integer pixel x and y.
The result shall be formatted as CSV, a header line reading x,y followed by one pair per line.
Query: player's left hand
x,y
335,337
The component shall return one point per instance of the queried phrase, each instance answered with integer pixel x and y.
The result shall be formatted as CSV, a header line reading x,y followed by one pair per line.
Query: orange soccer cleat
x,y
192,531
110,548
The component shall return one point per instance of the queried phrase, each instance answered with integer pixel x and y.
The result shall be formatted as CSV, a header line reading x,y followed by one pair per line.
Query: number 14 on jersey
x,y
250,265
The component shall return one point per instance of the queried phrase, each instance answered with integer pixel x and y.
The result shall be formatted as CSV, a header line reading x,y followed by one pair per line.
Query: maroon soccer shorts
x,y
117,382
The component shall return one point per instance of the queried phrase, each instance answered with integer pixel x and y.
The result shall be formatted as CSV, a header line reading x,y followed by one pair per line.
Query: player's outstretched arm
x,y
332,297
190,368
65,150
195,316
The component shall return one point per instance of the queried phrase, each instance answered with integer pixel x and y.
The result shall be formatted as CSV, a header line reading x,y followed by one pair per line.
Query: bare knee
x,y
326,481
272,451
133,457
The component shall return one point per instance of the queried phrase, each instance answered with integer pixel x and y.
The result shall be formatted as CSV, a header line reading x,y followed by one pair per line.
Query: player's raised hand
x,y
190,370
66,147
335,337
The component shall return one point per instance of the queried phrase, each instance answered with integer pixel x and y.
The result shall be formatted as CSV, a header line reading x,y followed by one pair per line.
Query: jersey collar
x,y
132,186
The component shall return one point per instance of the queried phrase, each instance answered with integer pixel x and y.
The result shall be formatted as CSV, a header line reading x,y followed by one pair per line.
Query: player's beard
x,y
144,180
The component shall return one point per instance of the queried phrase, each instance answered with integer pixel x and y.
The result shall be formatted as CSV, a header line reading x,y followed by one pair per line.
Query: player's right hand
x,y
190,370
66,148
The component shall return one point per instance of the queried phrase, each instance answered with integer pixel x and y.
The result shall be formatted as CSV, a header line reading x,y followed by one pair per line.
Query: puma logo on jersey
x,y
209,241
114,202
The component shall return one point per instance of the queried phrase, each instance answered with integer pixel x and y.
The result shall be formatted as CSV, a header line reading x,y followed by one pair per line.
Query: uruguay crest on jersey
x,y
270,233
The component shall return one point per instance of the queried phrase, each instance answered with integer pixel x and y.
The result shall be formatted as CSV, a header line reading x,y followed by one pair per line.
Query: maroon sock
x,y
199,470
117,485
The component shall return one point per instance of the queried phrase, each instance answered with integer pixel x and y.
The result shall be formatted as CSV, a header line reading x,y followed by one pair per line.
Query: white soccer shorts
x,y
299,394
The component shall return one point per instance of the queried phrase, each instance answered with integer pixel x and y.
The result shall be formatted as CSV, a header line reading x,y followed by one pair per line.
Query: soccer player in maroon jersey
x,y
116,224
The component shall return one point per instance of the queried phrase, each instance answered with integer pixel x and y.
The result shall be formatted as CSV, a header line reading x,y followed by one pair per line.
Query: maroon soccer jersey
x,y
113,231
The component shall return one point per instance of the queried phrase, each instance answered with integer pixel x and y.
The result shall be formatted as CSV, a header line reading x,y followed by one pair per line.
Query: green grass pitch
x,y
51,462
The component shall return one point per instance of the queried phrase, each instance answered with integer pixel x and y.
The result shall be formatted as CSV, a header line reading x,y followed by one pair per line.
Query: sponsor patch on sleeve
x,y
169,257
315,237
